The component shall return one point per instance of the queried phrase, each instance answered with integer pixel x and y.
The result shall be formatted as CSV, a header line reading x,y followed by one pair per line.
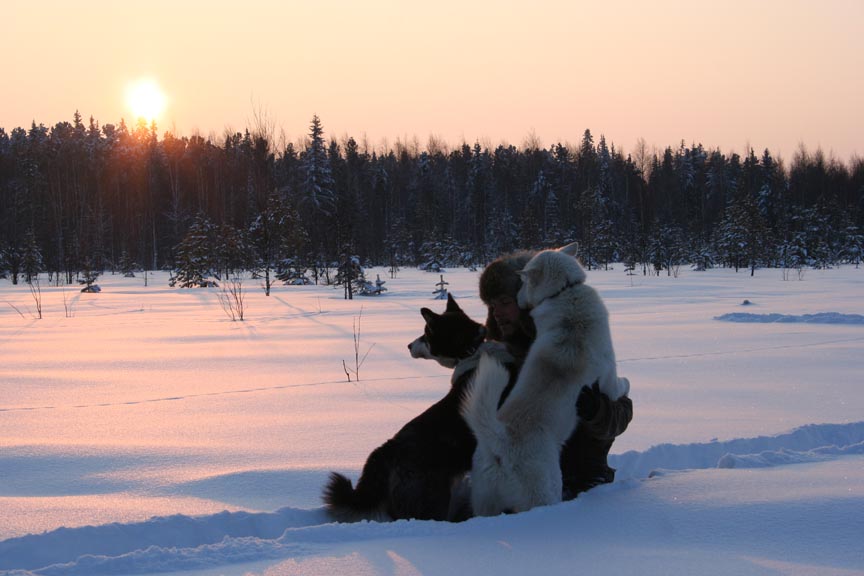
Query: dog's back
x,y
573,333
410,475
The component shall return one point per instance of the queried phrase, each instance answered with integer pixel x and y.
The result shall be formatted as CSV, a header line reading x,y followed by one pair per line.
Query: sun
x,y
145,99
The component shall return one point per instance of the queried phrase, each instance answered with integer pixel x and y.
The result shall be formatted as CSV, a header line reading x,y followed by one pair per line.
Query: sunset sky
x,y
729,74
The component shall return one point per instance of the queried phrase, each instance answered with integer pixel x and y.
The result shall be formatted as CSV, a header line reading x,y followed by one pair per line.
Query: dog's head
x,y
547,274
448,337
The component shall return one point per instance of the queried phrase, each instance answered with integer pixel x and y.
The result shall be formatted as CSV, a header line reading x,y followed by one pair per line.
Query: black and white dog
x,y
411,475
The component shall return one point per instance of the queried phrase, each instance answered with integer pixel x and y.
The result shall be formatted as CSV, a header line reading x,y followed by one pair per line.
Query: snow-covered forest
x,y
81,197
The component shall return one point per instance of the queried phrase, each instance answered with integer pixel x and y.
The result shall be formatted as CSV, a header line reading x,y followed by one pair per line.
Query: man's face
x,y
506,313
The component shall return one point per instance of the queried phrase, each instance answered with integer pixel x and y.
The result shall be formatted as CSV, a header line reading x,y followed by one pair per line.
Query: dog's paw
x,y
623,386
615,387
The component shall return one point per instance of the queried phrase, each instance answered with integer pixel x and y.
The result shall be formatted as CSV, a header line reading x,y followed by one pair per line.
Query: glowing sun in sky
x,y
145,99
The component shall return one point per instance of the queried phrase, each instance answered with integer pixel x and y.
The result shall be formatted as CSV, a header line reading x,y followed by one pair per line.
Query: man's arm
x,y
602,417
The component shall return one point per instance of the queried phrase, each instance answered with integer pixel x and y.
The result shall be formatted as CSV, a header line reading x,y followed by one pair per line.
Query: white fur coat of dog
x,y
516,463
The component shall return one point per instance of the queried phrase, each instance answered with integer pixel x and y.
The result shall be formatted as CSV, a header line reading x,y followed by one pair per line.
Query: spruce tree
x,y
277,236
89,273
743,237
318,194
127,265
31,258
350,274
232,253
195,259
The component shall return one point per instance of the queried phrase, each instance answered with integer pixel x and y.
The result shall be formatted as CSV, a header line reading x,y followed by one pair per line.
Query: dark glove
x,y
589,402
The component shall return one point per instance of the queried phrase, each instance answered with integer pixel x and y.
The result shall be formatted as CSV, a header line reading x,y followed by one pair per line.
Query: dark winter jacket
x,y
584,457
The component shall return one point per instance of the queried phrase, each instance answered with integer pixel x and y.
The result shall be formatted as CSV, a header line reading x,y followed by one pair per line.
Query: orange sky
x,y
728,74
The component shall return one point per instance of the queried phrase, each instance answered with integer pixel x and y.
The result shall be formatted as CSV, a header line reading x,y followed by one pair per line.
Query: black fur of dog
x,y
411,475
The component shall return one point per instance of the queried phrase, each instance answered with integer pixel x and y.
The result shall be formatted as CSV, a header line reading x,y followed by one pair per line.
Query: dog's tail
x,y
480,403
366,501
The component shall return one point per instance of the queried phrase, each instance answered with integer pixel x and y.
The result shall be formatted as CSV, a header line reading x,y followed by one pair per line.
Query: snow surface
x,y
145,432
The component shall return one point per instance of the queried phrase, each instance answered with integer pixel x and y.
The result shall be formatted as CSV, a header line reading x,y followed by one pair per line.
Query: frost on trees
x,y
373,289
292,273
350,276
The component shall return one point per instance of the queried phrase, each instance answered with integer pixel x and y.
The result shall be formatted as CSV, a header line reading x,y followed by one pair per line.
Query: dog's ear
x,y
428,315
571,249
452,306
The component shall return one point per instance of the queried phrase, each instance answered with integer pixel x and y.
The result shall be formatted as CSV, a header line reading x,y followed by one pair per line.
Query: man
x,y
584,456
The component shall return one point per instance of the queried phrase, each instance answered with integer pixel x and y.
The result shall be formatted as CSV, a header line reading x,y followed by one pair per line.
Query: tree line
x,y
79,197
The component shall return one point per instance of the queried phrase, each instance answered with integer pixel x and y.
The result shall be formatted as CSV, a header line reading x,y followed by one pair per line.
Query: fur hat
x,y
500,278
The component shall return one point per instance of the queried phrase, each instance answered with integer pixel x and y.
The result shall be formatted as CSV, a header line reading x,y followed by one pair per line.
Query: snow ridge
x,y
783,456
819,318
813,439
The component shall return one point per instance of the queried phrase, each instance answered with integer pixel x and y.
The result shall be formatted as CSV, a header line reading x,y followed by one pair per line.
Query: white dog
x,y
516,463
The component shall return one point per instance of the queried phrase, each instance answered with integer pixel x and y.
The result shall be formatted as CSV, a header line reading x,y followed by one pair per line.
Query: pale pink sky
x,y
730,74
